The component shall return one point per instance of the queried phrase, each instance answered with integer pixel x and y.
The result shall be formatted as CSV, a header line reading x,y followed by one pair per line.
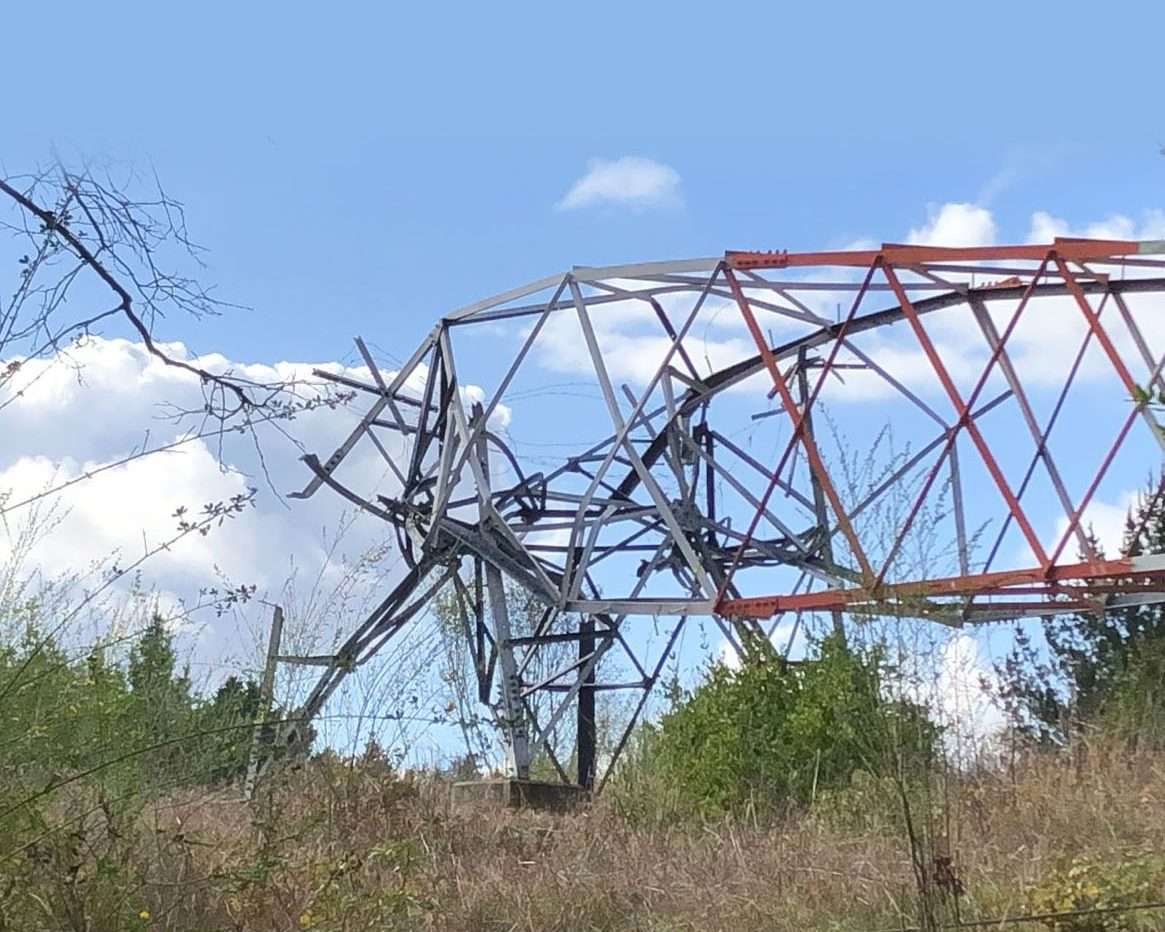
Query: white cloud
x,y
1045,227
962,699
66,421
629,181
130,510
634,344
955,224
1104,519
1050,331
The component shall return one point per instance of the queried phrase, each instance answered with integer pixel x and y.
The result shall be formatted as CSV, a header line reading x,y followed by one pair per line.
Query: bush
x,y
136,724
1135,709
769,736
1093,883
85,742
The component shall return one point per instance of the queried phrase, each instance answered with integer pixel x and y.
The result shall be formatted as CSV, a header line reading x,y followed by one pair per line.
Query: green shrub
x,y
137,724
1134,711
1096,883
85,743
770,736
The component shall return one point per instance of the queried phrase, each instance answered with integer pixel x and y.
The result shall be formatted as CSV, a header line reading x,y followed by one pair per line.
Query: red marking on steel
x,y
1076,249
963,409
999,581
798,417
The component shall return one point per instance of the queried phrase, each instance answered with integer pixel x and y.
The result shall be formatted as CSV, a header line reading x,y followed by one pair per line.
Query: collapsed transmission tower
x,y
1012,379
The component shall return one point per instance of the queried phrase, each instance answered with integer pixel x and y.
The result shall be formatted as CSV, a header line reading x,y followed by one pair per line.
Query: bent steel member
x,y
672,516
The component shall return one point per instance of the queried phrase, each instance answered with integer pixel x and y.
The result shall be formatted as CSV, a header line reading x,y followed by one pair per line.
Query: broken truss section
x,y
1019,381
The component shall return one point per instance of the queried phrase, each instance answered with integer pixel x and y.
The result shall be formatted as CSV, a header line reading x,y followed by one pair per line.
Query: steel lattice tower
x,y
671,517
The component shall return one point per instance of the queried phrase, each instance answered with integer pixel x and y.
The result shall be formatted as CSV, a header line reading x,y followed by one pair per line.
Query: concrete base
x,y
518,794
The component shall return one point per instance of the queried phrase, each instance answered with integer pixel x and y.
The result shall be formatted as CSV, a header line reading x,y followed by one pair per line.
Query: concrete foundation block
x,y
507,793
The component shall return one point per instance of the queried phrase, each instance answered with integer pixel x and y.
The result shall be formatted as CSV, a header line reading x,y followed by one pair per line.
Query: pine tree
x,y
1100,669
161,706
233,708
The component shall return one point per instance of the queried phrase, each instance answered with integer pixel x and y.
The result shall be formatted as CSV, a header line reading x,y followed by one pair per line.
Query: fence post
x,y
259,737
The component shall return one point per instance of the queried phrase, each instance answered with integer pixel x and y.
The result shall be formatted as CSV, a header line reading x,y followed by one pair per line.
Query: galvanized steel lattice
x,y
672,516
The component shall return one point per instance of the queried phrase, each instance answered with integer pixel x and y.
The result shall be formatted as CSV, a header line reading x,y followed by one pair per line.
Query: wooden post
x,y
259,737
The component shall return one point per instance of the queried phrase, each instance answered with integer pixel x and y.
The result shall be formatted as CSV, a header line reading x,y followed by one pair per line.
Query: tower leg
x,y
514,716
514,723
586,732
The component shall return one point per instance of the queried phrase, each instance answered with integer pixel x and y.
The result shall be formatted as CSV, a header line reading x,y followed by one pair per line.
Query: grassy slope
x,y
332,847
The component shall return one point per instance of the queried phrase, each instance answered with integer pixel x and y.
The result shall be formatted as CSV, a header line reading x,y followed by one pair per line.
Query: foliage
x,y
353,843
770,735
85,742
133,724
1091,885
1135,707
1100,669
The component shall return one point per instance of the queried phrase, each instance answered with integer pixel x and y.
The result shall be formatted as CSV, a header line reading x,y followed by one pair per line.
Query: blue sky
x,y
361,168
387,161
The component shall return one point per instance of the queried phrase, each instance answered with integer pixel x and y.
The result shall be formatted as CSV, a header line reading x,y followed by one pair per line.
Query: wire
x,y
1037,917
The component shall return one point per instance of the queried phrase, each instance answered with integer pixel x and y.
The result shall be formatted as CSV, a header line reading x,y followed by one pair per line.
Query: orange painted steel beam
x,y
1048,584
816,463
1077,250
1000,582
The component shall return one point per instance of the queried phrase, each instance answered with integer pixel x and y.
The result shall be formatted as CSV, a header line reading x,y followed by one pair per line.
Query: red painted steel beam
x,y
1000,581
812,454
1077,250
1050,583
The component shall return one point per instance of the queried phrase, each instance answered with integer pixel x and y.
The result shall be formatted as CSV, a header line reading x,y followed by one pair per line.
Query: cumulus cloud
x,y
69,419
634,344
1050,332
1048,336
1045,227
963,699
129,510
630,181
955,224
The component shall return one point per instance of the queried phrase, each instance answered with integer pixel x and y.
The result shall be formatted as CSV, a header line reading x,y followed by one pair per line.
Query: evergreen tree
x,y
1100,669
234,707
140,723
160,707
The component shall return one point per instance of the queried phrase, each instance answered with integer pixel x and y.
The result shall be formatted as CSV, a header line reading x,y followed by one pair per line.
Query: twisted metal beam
x,y
664,517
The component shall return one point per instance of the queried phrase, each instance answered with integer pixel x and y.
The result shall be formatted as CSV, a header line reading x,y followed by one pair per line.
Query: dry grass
x,y
335,848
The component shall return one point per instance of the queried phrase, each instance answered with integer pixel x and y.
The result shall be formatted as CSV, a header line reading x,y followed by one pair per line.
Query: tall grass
x,y
354,845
